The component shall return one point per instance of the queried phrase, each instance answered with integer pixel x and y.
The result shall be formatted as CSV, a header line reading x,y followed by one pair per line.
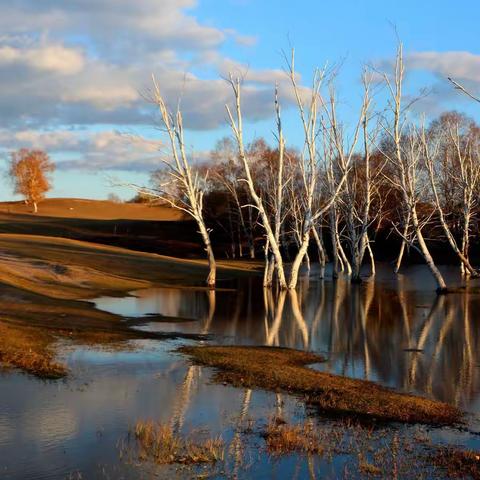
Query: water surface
x,y
393,330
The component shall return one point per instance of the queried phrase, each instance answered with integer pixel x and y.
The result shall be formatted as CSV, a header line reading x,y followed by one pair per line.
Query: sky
x,y
75,74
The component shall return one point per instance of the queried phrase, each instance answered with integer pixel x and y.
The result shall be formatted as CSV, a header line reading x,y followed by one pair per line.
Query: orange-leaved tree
x,y
29,171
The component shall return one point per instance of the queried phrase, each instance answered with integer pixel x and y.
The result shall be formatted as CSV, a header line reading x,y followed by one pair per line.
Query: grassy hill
x,y
142,227
94,210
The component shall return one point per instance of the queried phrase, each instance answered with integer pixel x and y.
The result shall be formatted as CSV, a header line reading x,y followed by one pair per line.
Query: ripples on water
x,y
395,331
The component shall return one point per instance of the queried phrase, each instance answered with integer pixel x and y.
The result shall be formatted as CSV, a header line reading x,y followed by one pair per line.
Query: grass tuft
x,y
457,462
157,442
282,438
27,349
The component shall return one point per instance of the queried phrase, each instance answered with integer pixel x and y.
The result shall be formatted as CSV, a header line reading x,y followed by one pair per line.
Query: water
x,y
395,331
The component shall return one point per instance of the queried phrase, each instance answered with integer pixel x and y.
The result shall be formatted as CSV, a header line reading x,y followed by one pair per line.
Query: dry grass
x,y
366,452
72,269
359,451
280,369
31,324
24,348
371,452
282,438
369,469
457,462
41,279
93,209
157,442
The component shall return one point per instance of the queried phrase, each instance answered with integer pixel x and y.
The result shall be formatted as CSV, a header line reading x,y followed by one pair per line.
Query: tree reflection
x,y
390,331
397,336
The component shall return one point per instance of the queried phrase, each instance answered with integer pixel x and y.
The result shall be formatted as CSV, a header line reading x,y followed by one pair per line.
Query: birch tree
x,y
317,115
29,172
236,124
190,186
406,159
309,118
357,196
466,176
278,194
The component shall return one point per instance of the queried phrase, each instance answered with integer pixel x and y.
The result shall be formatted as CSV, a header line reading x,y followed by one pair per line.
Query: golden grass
x,y
365,451
457,462
72,269
92,209
42,277
281,369
157,442
369,469
31,324
24,348
282,438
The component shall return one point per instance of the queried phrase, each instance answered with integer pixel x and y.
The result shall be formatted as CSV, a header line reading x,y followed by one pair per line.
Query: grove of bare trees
x,y
387,175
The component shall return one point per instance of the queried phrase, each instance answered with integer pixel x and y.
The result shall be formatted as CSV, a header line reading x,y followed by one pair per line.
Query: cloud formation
x,y
87,64
460,65
438,93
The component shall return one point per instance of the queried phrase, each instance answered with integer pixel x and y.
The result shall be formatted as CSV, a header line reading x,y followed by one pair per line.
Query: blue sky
x,y
72,73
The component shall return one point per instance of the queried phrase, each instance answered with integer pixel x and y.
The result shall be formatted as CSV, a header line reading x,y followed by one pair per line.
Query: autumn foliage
x,y
29,171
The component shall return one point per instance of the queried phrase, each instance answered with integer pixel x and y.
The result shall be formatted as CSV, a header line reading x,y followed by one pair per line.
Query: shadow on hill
x,y
176,238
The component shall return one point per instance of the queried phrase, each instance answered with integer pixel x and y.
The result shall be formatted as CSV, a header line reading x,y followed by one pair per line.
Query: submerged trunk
x,y
212,264
441,285
466,242
321,252
269,267
372,260
398,263
333,239
341,251
251,243
359,248
297,262
307,261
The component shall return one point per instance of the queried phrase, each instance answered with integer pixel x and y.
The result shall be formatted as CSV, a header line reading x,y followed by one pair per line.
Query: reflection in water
x,y
53,430
391,329
182,400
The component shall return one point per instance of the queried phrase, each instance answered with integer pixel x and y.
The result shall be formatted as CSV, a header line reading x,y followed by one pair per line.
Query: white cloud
x,y
54,58
50,141
461,65
89,151
85,62
88,64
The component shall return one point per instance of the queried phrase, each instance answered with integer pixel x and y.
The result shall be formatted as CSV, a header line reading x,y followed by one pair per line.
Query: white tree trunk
x,y
212,265
321,252
372,260
333,240
441,285
237,128
297,262
401,252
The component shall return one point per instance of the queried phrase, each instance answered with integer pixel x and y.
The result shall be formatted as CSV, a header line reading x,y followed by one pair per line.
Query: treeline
x,y
385,174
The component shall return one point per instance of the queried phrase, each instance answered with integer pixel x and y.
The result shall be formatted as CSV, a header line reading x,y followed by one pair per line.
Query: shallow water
x,y
395,331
